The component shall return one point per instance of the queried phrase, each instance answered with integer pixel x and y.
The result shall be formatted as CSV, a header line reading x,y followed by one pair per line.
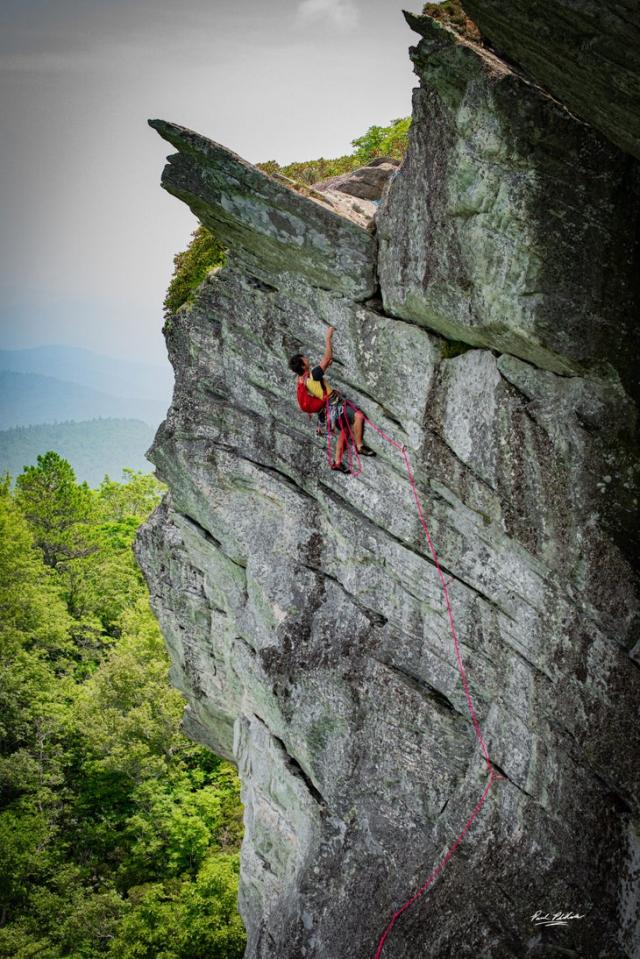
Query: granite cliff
x,y
486,316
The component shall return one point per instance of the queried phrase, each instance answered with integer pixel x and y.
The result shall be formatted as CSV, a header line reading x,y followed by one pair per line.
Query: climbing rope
x,y
493,775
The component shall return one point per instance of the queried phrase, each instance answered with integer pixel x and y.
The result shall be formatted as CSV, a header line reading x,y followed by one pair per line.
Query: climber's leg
x,y
340,444
358,427
358,431
337,426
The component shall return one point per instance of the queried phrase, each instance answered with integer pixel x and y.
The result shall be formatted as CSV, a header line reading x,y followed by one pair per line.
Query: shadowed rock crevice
x,y
295,767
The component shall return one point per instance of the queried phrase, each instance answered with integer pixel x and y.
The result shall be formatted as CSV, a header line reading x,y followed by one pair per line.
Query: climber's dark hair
x,y
296,364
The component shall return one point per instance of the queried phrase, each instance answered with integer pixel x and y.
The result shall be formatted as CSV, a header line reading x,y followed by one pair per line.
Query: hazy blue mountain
x,y
28,398
106,374
93,447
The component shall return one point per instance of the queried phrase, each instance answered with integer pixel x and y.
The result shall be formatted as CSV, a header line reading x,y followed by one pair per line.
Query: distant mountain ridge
x,y
29,398
107,374
93,447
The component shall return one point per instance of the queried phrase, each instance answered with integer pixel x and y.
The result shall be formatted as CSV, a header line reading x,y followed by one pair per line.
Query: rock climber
x,y
313,390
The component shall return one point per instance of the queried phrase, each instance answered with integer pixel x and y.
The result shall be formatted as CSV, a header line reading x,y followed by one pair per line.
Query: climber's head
x,y
299,364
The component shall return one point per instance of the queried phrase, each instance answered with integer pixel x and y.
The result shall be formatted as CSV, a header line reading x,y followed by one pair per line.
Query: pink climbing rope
x,y
493,775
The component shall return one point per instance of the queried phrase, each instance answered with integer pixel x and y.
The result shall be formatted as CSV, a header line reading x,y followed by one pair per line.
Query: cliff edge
x,y
487,320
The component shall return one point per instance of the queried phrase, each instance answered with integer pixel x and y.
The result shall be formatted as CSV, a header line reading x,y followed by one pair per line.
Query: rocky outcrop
x,y
585,52
304,616
367,182
264,218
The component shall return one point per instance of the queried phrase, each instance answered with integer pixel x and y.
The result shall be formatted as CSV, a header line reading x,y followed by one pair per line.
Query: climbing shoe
x,y
366,451
340,467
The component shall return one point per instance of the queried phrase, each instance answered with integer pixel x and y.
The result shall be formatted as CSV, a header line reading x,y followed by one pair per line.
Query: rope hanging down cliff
x,y
315,396
493,775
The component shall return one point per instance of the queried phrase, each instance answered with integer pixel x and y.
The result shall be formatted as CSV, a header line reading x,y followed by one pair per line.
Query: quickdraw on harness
x,y
494,775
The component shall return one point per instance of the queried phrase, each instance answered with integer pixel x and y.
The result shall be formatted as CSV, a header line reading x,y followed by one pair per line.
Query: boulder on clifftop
x,y
367,182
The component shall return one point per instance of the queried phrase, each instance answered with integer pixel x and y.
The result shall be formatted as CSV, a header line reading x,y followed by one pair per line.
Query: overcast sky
x,y
88,235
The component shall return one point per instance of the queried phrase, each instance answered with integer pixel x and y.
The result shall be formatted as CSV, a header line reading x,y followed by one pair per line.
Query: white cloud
x,y
343,14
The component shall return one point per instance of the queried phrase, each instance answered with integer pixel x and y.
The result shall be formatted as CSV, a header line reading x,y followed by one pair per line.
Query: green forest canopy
x,y
93,447
119,837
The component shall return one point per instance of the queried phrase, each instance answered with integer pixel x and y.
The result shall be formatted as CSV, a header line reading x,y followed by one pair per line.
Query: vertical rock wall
x,y
585,52
302,610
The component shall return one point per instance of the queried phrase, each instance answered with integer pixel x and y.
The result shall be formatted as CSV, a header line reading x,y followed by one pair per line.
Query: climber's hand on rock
x,y
327,359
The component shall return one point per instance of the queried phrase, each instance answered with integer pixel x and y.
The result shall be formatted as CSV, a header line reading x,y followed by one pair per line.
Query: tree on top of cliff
x,y
389,141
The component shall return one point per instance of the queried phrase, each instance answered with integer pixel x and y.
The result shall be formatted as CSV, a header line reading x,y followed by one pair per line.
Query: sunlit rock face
x,y
513,226
266,220
302,609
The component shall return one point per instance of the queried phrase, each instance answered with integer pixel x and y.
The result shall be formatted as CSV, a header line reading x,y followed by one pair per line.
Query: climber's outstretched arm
x,y
327,359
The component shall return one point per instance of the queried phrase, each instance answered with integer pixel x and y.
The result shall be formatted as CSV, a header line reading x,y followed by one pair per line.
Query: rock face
x,y
512,225
585,52
367,182
303,612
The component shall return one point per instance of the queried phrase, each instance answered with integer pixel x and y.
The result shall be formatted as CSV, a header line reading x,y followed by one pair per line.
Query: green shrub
x,y
388,141
310,171
190,268
451,13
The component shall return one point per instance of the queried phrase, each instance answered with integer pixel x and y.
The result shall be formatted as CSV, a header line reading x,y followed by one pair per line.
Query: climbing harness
x,y
345,429
493,775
